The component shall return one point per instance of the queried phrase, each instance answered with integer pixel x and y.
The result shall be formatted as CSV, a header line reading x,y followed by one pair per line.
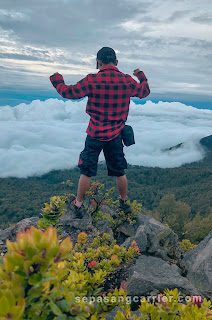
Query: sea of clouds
x,y
47,135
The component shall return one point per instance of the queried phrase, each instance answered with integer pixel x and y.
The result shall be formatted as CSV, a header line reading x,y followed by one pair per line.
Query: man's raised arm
x,y
140,90
76,91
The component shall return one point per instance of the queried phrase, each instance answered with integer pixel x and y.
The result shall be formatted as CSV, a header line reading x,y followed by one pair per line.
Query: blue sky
x,y
13,98
171,41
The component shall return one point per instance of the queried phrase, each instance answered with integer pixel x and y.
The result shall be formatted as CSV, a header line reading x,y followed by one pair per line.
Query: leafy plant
x,y
52,212
97,197
169,308
42,278
186,245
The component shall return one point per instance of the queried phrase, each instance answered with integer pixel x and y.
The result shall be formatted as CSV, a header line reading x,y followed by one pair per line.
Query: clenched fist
x,y
136,71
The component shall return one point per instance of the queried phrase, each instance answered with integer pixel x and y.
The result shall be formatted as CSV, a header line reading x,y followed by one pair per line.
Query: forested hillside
x,y
191,184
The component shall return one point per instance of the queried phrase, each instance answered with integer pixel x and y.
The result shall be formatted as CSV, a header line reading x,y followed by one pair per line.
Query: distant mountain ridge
x,y
206,142
190,183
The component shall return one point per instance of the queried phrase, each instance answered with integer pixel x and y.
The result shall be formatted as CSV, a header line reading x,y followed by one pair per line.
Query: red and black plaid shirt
x,y
109,93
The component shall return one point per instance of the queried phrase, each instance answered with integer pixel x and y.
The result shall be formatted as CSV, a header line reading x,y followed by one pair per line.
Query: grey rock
x,y
198,263
153,274
103,227
141,239
68,219
4,234
153,238
177,269
127,229
24,225
105,209
111,315
72,226
11,232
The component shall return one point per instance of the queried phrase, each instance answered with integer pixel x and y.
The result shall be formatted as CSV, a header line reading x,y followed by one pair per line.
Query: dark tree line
x,y
190,186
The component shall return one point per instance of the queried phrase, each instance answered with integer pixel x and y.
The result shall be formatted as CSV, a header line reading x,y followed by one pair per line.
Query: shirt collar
x,y
109,68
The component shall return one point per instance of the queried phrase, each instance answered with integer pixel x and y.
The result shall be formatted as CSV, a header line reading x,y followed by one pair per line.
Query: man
x,y
108,93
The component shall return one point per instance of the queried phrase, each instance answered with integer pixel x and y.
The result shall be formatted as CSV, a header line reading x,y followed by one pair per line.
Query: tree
x,y
198,228
174,213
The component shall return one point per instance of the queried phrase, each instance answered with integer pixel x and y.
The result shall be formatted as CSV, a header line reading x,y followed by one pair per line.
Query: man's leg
x,y
83,186
116,163
122,186
88,167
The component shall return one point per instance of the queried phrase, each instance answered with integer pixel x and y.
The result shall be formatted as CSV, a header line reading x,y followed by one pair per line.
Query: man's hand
x,y
56,79
55,74
136,71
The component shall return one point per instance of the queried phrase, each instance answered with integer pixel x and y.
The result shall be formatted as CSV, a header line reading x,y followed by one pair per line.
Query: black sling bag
x,y
127,135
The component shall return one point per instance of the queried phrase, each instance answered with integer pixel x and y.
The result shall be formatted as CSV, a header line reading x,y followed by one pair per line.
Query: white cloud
x,y
172,22
42,136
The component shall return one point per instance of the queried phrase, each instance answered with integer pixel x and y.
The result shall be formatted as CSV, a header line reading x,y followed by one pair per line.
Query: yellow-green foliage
x,y
41,278
98,198
168,308
95,198
44,278
198,228
52,212
187,245
10,307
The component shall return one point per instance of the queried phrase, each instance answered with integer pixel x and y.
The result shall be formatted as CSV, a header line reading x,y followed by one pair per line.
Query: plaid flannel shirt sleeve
x,y
76,91
140,90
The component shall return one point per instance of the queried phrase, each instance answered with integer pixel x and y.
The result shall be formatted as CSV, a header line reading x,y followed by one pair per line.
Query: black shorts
x,y
113,153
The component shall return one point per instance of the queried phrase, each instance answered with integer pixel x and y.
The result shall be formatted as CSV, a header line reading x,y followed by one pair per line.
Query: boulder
x,y
156,269
152,238
11,232
23,225
72,226
151,274
4,234
198,263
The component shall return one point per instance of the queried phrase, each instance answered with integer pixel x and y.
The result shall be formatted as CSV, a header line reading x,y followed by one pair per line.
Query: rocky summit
x,y
161,265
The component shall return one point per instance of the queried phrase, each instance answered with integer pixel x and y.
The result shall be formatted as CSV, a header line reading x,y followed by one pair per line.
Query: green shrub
x,y
168,308
95,198
186,245
41,278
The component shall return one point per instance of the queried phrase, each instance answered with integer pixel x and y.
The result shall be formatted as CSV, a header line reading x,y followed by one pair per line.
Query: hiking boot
x,y
123,206
79,212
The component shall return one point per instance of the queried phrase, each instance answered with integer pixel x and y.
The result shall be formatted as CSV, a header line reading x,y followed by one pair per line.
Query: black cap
x,y
106,55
